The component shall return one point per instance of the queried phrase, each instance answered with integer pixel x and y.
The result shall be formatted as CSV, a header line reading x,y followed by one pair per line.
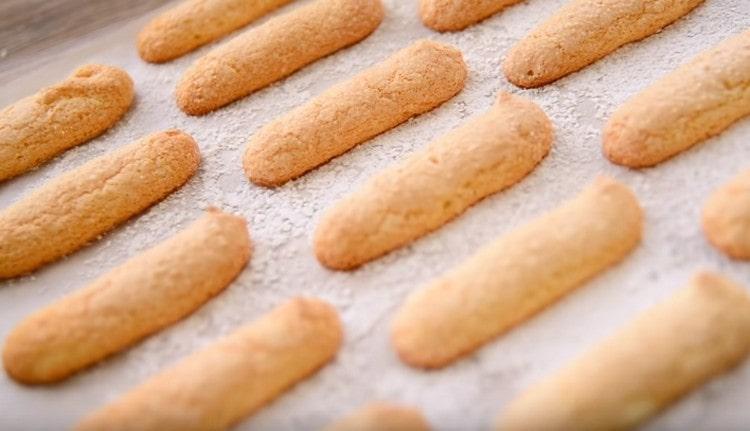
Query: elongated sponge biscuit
x,y
515,277
37,128
698,100
487,154
582,32
218,386
726,217
136,299
274,50
453,15
414,80
69,211
382,417
676,346
194,23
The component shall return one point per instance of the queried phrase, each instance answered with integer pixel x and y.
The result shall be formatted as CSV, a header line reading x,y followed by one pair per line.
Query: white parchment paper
x,y
469,394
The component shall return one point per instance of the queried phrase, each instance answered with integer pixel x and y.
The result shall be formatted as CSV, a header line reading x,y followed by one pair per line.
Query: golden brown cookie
x,y
77,207
37,128
453,15
518,275
698,100
220,385
274,50
412,81
699,333
382,417
726,217
145,294
489,153
193,23
582,32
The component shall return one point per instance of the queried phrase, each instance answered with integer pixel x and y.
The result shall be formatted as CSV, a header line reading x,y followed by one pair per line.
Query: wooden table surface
x,y
28,27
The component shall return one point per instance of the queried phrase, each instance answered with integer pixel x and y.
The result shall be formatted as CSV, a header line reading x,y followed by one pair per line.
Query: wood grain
x,y
29,26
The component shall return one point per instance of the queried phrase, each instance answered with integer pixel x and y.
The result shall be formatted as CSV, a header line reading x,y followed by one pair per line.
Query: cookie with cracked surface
x,y
489,153
382,417
702,331
35,129
726,217
138,298
77,207
582,32
454,15
698,100
274,50
518,275
231,379
412,81
194,23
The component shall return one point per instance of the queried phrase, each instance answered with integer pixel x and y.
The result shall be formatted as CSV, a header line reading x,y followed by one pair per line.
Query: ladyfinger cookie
x,y
518,275
412,81
274,50
698,100
69,211
37,128
140,297
454,15
582,32
194,23
382,417
231,379
676,346
726,217
487,154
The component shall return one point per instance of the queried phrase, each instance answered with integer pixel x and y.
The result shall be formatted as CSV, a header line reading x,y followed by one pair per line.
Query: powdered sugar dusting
x,y
469,394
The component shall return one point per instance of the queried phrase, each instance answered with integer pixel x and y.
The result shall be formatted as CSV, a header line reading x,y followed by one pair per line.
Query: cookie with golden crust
x,y
35,129
231,379
726,217
138,298
274,50
582,32
518,275
412,81
194,23
702,331
382,417
454,15
489,153
698,100
75,208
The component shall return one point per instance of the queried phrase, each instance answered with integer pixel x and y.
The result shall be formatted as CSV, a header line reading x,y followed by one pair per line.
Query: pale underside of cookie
x,y
454,15
35,129
77,207
274,50
700,332
698,100
412,81
229,380
582,32
518,275
726,217
382,417
145,294
489,153
194,23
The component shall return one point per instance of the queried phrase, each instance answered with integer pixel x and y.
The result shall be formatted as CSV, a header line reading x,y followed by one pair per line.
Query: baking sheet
x,y
469,394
